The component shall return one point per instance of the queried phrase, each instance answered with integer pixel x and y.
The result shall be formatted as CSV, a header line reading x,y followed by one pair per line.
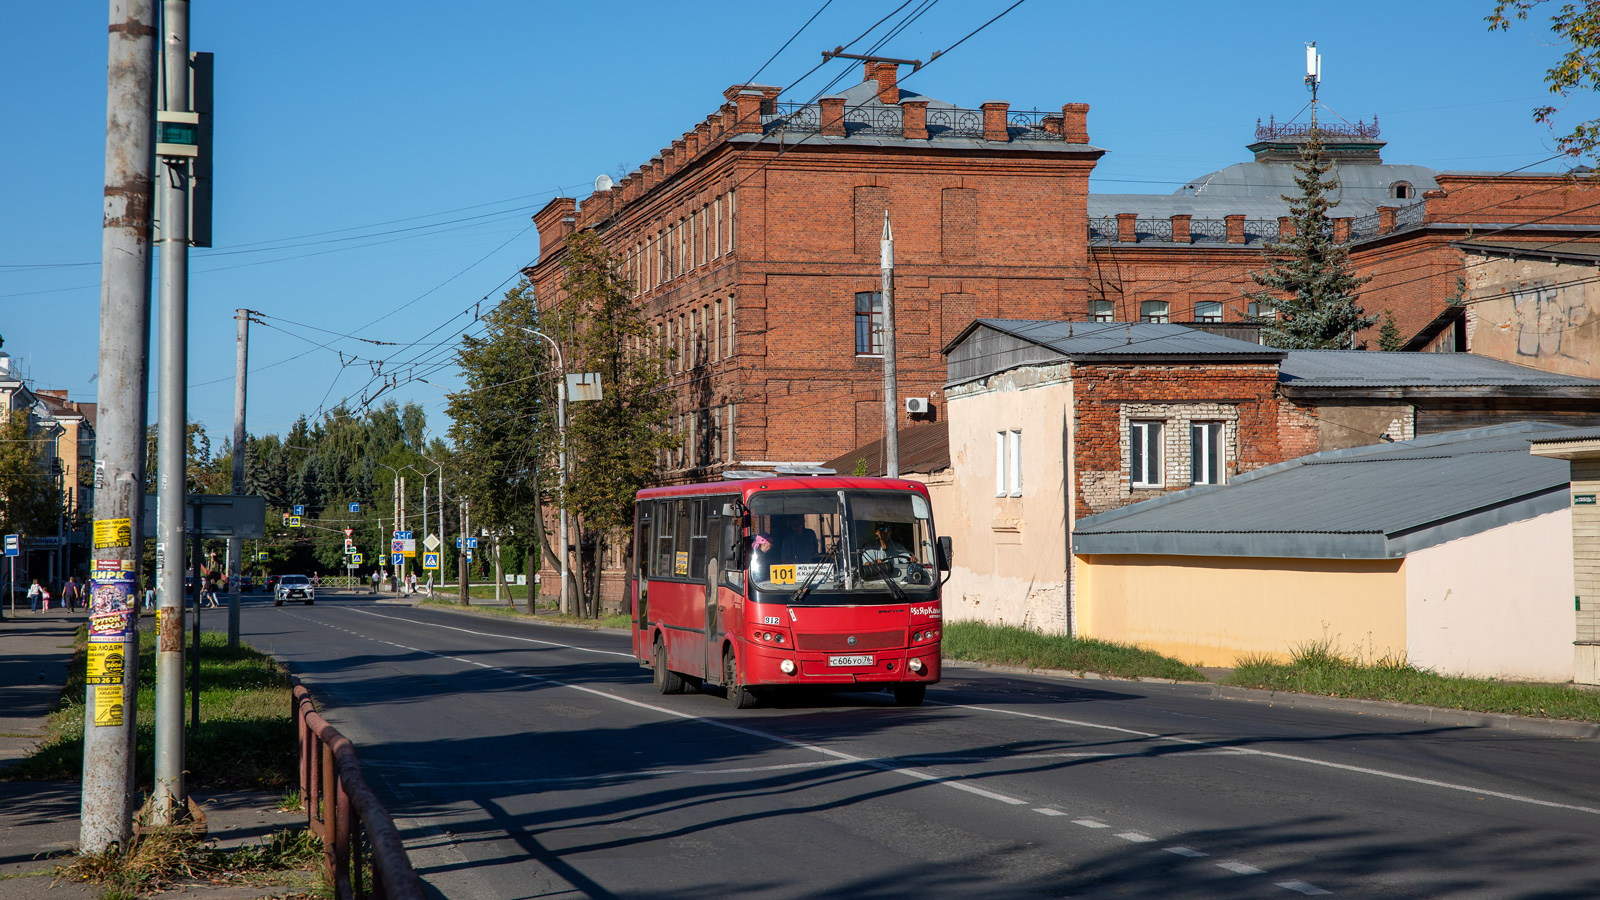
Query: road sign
x,y
403,546
355,559
430,560
355,507
469,555
261,556
472,543
294,521
349,531
431,542
13,545
299,509
394,558
402,535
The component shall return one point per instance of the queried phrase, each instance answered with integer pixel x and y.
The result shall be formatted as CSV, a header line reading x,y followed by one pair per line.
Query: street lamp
x,y
561,453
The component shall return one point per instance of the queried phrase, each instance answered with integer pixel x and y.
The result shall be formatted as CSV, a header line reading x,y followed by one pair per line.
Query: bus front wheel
x,y
909,694
667,681
739,696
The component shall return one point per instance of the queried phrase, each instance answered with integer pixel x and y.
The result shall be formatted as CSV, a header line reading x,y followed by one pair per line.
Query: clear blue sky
x,y
348,122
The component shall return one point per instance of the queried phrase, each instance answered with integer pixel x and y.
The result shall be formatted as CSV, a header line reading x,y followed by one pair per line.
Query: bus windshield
x,y
831,541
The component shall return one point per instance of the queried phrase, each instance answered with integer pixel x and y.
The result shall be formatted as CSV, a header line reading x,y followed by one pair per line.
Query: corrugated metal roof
x,y
1368,502
923,449
1358,182
988,346
1376,368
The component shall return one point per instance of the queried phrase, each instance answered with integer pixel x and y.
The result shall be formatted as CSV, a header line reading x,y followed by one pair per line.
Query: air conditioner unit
x,y
916,406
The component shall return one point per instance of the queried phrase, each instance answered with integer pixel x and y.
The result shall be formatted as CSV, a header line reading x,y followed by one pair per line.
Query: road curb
x,y
1433,715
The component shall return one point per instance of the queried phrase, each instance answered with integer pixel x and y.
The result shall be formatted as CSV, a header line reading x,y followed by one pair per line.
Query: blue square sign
x,y
394,558
355,507
13,545
299,509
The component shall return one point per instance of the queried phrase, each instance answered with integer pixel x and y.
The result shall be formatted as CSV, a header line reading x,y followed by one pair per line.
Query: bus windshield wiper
x,y
883,571
811,579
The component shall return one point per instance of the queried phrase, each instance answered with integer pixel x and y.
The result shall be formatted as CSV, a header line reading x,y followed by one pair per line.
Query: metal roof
x,y
988,346
1377,502
1538,251
1377,369
923,449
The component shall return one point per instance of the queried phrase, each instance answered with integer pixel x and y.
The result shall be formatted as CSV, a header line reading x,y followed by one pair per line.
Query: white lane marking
x,y
1250,751
1302,887
1047,811
1136,837
746,770
1090,823
984,759
508,637
880,764
1190,852
1239,868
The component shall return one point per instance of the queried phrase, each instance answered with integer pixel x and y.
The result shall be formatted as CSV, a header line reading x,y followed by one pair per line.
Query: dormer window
x,y
1402,190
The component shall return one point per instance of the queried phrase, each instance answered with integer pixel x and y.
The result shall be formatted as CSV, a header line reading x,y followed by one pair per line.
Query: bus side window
x,y
682,531
665,518
699,539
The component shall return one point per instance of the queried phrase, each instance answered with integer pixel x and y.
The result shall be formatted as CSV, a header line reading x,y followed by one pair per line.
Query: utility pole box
x,y
188,134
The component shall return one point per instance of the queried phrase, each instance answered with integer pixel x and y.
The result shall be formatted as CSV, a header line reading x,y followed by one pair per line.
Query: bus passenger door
x,y
638,583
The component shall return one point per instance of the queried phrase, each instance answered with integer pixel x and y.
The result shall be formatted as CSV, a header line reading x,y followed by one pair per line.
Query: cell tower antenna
x,y
1313,78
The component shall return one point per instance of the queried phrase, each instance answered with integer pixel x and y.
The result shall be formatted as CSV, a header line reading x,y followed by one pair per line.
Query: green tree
x,y
1308,280
1577,27
1389,335
503,423
614,443
29,499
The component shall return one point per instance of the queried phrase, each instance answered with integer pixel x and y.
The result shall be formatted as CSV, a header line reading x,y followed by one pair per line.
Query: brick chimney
x,y
555,222
1341,229
1180,228
1386,219
680,155
1285,227
914,118
995,127
702,133
1235,226
887,75
1127,228
1075,123
747,114
832,116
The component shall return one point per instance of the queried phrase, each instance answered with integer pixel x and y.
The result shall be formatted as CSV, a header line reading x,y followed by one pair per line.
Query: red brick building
x,y
753,243
1186,257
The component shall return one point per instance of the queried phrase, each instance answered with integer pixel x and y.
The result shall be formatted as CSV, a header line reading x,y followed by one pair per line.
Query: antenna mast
x,y
1313,78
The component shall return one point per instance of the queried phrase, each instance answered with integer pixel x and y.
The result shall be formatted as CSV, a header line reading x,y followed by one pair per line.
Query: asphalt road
x,y
528,761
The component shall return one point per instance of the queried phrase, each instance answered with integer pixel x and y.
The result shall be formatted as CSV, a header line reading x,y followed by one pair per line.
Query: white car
x,y
294,587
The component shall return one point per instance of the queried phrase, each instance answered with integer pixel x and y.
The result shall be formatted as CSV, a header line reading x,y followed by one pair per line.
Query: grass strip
x,y
621,620
245,738
164,858
1012,646
1319,668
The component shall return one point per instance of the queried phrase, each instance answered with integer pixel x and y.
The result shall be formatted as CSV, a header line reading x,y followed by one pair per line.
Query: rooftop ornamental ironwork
x,y
1288,131
888,121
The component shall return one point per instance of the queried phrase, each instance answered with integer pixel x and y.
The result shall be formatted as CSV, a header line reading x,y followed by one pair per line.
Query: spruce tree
x,y
1308,279
1389,335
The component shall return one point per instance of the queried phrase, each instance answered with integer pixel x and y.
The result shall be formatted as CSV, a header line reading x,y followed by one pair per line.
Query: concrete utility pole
x,y
240,370
461,557
891,412
402,528
169,800
109,709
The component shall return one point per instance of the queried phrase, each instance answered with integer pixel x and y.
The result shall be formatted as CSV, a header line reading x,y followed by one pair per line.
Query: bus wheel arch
x,y
739,696
666,680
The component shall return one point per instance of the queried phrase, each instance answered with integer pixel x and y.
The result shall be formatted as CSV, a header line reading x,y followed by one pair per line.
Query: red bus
x,y
762,582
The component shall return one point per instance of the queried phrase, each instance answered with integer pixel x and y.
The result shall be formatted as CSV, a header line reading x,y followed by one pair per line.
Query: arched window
x,y
1401,190
1153,311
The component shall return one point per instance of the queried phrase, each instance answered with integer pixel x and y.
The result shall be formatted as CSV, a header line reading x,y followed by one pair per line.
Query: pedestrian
x,y
70,594
37,595
150,596
208,597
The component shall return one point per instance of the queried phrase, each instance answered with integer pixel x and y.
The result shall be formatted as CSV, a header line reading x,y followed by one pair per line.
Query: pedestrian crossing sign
x,y
355,559
430,560
294,521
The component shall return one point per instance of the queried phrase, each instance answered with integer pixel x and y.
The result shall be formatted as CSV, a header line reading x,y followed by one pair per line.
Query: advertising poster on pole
x,y
112,605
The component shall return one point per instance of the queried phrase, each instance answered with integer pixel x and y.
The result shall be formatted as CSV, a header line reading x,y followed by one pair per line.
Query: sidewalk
x,y
39,820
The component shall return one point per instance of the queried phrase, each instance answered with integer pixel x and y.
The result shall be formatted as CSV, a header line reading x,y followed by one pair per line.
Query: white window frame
x,y
1145,436
1209,438
1015,463
1008,463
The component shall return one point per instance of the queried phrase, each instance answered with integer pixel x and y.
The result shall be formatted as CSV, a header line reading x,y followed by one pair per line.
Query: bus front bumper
x,y
763,665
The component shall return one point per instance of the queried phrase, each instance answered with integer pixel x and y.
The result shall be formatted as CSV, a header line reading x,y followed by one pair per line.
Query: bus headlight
x,y
915,665
787,666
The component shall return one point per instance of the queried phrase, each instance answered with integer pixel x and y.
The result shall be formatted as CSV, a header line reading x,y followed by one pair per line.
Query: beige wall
x,y
1344,425
1010,552
1497,604
1530,313
1210,611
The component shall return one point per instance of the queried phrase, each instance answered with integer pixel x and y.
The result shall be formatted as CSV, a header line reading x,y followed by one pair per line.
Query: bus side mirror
x,y
945,554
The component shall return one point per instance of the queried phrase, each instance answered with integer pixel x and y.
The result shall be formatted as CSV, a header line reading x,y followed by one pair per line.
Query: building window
x,y
1153,311
733,221
869,323
1008,463
1144,454
1205,452
716,222
1261,311
1103,311
1208,311
1401,190
732,326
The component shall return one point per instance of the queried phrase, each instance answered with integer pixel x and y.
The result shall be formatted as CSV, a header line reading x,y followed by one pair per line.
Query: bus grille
x,y
871,640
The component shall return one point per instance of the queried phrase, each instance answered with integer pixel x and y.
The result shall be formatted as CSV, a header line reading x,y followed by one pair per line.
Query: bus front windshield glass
x,y
830,541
